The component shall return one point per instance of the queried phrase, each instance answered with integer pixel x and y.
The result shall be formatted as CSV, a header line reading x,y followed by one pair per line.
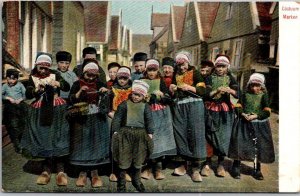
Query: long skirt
x,y
242,145
163,137
90,140
131,146
219,132
46,141
189,128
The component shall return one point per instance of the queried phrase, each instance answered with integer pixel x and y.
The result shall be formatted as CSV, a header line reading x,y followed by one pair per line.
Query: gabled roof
x,y
115,22
265,18
97,25
207,14
177,17
159,20
161,33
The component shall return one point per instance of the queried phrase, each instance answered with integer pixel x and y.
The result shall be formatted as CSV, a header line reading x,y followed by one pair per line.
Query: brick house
x,y
199,18
159,26
242,31
175,28
140,43
114,45
97,27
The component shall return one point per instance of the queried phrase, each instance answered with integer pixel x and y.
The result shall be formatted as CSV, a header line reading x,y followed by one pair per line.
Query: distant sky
x,y
137,14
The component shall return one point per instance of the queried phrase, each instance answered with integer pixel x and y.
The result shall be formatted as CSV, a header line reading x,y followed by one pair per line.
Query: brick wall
x,y
13,29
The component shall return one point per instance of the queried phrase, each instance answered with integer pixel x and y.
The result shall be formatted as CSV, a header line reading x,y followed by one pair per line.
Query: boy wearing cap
x,y
90,136
252,136
133,127
63,60
168,64
139,63
220,86
89,53
112,73
47,131
13,94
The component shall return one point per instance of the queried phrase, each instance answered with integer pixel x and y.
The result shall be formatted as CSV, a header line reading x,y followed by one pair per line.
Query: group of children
x,y
185,114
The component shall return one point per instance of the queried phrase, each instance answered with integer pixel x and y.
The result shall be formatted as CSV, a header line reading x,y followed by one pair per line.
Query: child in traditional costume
x,y
168,64
120,92
163,136
13,96
133,127
47,130
220,86
90,135
252,137
139,62
188,115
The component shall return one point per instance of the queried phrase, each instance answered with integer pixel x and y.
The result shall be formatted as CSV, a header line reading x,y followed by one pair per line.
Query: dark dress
x,y
219,119
163,137
90,136
188,116
242,145
47,130
131,144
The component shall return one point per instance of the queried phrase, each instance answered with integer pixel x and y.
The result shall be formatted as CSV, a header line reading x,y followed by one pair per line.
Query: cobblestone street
x,y
18,176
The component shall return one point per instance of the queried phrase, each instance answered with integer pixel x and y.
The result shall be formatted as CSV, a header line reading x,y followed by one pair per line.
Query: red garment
x,y
168,81
91,92
109,84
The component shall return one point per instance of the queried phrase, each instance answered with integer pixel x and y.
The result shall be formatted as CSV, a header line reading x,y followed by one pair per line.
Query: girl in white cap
x,y
47,132
188,88
220,86
90,136
133,127
163,137
252,135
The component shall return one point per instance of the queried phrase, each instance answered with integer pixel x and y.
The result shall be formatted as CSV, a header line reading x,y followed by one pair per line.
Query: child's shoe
x,y
61,179
113,178
146,174
205,170
258,175
221,171
44,178
81,180
180,171
96,180
127,177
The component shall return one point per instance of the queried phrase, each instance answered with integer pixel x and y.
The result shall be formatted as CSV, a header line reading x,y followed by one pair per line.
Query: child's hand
x,y
185,87
173,88
54,83
111,114
18,101
11,100
252,117
158,93
150,135
84,88
103,89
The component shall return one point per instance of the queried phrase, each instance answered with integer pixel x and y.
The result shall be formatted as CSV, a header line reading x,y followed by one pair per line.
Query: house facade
x,y
199,18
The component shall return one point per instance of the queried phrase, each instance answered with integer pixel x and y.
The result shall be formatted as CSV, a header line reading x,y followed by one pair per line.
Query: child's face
x,y
90,56
183,67
221,70
140,66
112,73
63,66
152,73
42,70
123,81
136,97
205,71
11,81
168,70
255,88
89,77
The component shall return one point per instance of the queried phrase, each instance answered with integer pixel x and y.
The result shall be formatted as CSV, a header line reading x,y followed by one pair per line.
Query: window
x,y
214,53
229,12
237,53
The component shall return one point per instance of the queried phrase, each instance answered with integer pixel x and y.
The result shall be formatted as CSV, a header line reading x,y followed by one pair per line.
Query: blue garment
x,y
16,92
70,77
136,76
